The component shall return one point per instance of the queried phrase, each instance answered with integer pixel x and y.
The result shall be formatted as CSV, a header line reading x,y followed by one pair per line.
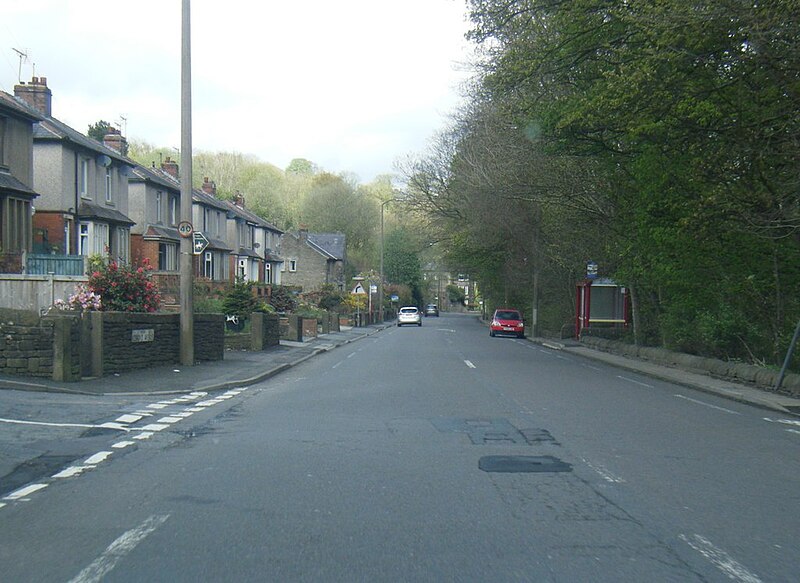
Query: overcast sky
x,y
351,85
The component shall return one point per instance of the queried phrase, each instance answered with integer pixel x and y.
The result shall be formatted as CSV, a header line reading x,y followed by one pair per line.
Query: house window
x,y
122,241
83,239
67,236
167,257
100,240
220,223
268,272
3,122
158,207
18,223
108,185
242,271
173,210
208,265
83,177
293,265
206,220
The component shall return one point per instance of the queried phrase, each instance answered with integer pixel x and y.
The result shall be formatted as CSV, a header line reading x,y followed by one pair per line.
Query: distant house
x,y
210,217
16,181
256,244
155,205
313,259
83,186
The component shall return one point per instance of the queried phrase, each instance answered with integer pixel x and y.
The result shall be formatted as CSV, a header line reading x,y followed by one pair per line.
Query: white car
x,y
409,315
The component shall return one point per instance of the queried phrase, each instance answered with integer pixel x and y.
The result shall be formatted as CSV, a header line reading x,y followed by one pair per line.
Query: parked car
x,y
507,321
409,315
431,310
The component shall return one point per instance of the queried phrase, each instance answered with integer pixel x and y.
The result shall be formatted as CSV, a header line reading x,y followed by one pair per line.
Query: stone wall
x,y
135,341
209,337
734,371
26,344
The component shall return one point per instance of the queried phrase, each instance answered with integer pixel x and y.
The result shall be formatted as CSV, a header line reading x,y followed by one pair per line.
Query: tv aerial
x,y
23,58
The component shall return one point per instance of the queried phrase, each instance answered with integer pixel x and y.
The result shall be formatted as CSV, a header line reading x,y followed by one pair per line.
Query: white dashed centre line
x,y
469,364
100,456
635,382
709,405
27,490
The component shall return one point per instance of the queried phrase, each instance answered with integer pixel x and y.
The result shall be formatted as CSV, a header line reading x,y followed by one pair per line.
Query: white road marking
x,y
704,404
469,364
351,355
100,456
154,427
720,559
123,444
144,435
195,409
337,364
49,424
793,431
169,420
635,382
129,418
784,421
184,415
70,472
604,473
157,406
117,550
26,491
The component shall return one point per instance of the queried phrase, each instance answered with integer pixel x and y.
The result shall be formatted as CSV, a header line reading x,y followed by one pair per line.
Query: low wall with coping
x,y
733,371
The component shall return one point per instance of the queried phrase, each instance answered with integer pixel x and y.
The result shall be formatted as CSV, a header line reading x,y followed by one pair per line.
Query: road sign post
x,y
200,242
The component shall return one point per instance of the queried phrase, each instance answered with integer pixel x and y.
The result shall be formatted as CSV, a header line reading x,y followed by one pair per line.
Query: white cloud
x,y
350,85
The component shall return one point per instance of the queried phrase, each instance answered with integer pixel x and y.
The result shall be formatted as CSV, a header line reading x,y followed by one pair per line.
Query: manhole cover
x,y
522,464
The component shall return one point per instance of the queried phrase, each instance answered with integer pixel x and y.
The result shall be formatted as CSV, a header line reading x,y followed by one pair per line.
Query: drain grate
x,y
517,464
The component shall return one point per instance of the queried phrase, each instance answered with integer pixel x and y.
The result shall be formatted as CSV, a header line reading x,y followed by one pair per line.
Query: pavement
x,y
242,368
238,368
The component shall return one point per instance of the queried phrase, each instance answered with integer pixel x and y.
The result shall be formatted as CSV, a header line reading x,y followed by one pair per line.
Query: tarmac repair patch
x,y
522,464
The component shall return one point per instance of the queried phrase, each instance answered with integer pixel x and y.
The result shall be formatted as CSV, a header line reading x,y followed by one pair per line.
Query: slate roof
x,y
210,200
10,184
89,210
330,244
14,106
161,232
156,175
252,217
52,129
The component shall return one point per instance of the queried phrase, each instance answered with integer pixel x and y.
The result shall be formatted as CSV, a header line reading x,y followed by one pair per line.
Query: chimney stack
x,y
170,166
238,199
209,186
36,94
115,140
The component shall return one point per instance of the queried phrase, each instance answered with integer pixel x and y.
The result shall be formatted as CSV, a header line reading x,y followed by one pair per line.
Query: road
x,y
377,462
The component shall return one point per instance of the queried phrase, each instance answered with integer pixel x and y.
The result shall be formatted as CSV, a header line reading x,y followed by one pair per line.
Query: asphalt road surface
x,y
425,454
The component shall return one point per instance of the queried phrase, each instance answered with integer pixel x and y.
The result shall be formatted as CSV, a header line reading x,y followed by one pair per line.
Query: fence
x,y
37,264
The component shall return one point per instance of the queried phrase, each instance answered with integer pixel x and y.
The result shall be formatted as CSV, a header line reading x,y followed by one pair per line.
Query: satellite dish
x,y
104,161
256,245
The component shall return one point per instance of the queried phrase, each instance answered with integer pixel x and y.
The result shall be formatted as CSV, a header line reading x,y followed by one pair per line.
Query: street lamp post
x,y
380,285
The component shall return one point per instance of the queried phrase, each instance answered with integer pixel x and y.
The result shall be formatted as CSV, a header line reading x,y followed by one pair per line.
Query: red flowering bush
x,y
125,288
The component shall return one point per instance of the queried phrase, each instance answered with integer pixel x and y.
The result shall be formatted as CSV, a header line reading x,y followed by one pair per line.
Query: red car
x,y
507,321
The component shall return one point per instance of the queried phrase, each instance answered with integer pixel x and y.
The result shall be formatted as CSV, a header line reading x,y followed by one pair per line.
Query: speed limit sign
x,y
185,229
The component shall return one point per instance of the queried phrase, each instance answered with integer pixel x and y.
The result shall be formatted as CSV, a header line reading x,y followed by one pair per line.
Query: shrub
x,y
282,299
239,300
83,300
124,288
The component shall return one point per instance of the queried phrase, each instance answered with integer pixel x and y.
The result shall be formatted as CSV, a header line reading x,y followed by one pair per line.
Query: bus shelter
x,y
600,303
